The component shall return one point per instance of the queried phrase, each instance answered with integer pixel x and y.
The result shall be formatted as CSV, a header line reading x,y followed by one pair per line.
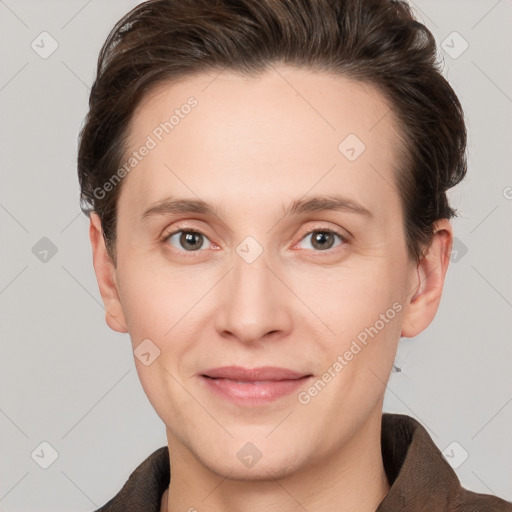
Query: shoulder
x,y
419,475
468,501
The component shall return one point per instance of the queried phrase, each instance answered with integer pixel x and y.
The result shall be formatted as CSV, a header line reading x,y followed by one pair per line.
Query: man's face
x,y
255,287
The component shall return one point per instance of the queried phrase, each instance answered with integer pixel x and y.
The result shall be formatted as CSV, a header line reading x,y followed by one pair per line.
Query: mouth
x,y
252,387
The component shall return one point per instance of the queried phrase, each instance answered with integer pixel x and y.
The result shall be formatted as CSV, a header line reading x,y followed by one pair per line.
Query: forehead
x,y
281,133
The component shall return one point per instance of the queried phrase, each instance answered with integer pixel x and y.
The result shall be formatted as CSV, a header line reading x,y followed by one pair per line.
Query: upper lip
x,y
253,374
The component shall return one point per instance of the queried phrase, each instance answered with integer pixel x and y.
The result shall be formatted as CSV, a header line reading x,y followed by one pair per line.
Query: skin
x,y
252,146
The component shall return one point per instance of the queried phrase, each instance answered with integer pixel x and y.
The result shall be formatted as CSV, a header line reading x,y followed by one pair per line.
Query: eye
x,y
323,239
187,239
191,240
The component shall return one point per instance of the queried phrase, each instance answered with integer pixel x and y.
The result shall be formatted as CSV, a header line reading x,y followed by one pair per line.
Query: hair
x,y
376,42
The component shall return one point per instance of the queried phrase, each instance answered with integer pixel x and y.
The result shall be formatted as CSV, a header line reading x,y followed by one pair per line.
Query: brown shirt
x,y
420,478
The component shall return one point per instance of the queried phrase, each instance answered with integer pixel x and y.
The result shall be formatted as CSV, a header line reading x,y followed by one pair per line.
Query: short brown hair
x,y
378,42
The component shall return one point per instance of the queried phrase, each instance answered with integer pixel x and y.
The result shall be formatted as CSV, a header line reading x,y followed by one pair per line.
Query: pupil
x,y
188,238
321,239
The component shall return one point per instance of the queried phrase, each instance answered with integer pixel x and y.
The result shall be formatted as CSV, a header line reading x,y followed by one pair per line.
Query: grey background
x,y
66,379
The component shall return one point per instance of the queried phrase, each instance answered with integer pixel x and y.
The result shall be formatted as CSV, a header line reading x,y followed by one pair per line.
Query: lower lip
x,y
256,392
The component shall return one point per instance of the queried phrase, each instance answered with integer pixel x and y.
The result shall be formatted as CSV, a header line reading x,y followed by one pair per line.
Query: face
x,y
263,229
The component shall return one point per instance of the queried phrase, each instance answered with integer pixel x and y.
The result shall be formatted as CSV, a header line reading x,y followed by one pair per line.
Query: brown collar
x,y
421,479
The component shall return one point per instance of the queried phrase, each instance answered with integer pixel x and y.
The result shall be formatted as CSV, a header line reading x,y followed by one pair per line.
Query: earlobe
x,y
427,284
106,276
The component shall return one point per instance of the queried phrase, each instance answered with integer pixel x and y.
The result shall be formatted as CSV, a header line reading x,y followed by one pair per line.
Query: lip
x,y
253,374
253,386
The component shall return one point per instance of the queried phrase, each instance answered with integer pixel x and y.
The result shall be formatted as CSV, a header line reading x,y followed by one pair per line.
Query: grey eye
x,y
187,240
322,239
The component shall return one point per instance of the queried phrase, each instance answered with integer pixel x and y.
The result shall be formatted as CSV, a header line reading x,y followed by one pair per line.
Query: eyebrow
x,y
171,206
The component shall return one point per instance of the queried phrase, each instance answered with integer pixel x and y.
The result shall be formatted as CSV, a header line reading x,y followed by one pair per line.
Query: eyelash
x,y
319,229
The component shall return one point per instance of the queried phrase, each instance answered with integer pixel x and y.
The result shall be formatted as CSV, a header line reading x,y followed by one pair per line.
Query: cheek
x,y
162,307
360,307
168,398
351,296
153,299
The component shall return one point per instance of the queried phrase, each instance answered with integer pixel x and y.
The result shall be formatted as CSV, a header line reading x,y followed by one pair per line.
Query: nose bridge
x,y
253,304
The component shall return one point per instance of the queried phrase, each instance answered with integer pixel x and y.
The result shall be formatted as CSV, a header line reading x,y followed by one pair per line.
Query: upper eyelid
x,y
169,234
195,230
321,230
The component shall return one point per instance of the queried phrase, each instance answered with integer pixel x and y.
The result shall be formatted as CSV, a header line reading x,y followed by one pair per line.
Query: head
x,y
266,183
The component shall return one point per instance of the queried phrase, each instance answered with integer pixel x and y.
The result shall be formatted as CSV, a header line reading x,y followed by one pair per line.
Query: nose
x,y
253,301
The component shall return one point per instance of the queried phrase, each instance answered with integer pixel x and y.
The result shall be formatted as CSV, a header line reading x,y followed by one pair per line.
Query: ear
x,y
427,281
106,277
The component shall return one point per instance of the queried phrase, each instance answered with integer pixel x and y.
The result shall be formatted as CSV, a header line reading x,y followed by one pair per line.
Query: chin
x,y
265,459
261,471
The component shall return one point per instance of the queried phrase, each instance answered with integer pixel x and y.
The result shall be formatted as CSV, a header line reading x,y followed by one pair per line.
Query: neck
x,y
351,479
